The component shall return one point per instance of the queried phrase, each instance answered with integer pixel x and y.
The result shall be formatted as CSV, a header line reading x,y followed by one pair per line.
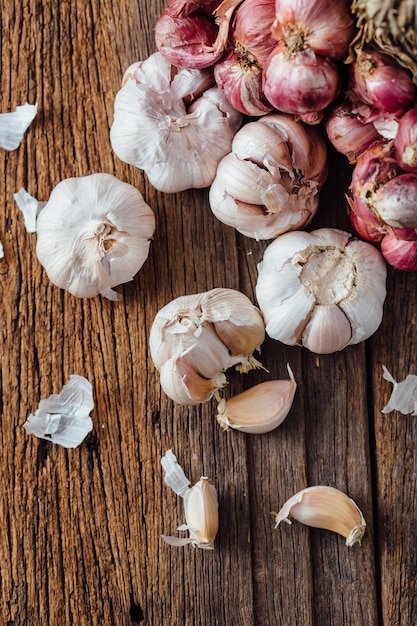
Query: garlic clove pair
x,y
94,233
259,409
184,385
326,508
200,506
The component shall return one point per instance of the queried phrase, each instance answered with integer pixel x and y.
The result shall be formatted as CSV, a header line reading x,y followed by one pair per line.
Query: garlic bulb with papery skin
x,y
269,183
260,409
172,123
195,338
200,506
93,234
326,508
323,290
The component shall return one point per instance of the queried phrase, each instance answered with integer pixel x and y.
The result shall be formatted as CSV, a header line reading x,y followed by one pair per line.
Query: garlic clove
x,y
286,322
201,514
229,304
200,505
209,355
328,330
259,409
327,508
184,385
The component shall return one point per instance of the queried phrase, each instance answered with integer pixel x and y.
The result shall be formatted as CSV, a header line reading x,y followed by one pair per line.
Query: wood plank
x,y
80,539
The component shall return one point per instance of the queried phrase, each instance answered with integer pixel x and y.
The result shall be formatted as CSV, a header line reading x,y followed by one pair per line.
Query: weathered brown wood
x,y
80,530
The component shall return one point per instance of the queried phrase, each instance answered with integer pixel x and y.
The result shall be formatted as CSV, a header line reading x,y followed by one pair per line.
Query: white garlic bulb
x,y
93,234
269,183
326,508
323,290
172,123
200,505
195,338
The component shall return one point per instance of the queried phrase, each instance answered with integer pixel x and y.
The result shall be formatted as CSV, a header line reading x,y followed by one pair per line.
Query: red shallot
x,y
349,132
239,72
301,76
379,80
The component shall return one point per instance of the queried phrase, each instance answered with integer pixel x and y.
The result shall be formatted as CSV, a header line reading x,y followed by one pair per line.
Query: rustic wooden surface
x,y
80,530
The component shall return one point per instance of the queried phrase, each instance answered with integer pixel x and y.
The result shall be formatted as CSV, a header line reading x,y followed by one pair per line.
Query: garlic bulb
x,y
323,290
14,125
327,508
93,234
64,418
269,183
172,123
259,409
195,338
200,505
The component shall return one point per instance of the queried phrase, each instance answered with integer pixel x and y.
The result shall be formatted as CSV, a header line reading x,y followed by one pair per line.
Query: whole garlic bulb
x,y
323,290
93,234
269,183
172,123
195,338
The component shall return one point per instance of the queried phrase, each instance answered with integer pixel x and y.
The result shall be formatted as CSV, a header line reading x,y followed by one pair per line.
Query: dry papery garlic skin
x,y
195,338
13,125
326,508
200,506
173,123
94,233
260,409
403,396
269,183
323,290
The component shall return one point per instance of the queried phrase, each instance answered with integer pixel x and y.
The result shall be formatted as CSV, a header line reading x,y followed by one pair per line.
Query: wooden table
x,y
81,529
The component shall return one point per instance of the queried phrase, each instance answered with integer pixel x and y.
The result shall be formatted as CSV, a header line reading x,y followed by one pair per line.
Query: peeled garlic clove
x,y
64,418
94,233
259,409
184,385
327,508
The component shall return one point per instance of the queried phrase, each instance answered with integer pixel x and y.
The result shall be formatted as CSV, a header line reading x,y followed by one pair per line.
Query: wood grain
x,y
80,530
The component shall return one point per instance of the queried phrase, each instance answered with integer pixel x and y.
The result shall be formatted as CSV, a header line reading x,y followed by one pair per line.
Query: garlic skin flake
x,y
94,233
195,338
269,183
30,208
326,508
173,123
200,505
260,409
64,418
404,394
14,125
323,290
